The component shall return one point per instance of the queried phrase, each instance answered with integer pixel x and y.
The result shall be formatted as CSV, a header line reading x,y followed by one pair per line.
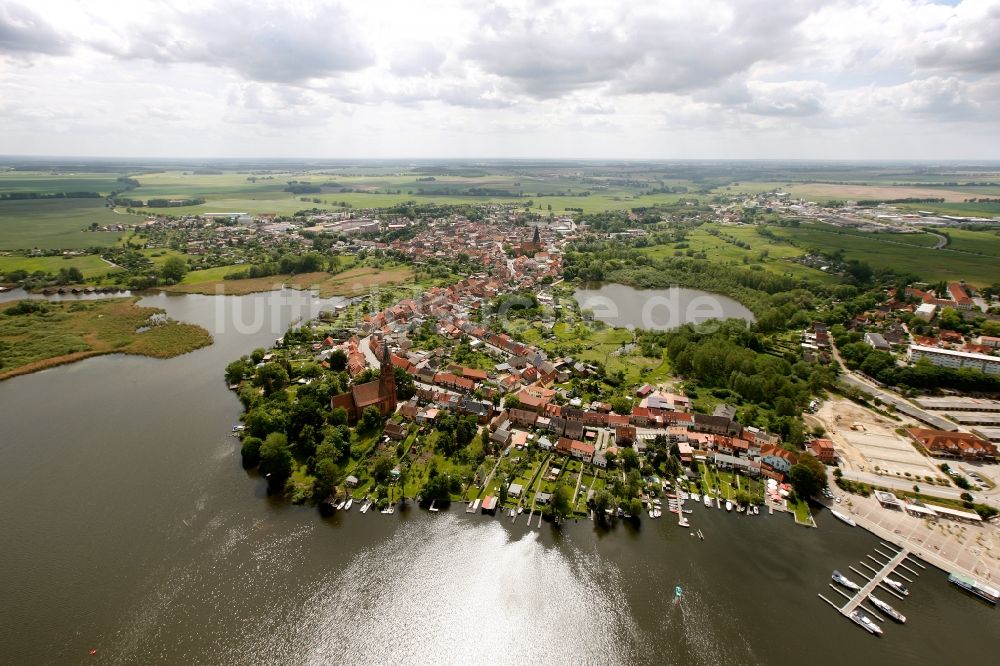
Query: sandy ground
x,y
971,548
866,441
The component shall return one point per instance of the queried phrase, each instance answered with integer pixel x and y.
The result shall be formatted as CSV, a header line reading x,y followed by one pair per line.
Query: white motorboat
x,y
845,581
708,501
898,587
349,504
729,505
844,517
887,609
866,623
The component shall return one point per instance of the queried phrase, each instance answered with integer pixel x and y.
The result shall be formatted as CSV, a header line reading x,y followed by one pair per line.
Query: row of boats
x,y
346,504
859,617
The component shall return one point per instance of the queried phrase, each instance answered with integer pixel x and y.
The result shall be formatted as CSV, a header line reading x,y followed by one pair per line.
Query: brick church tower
x,y
387,379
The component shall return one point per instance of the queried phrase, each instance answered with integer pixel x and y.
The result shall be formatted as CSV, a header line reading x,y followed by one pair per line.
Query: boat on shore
x,y
887,609
973,586
844,517
895,585
845,581
866,623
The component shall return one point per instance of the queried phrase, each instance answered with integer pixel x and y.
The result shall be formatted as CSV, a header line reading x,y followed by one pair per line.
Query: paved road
x,y
903,406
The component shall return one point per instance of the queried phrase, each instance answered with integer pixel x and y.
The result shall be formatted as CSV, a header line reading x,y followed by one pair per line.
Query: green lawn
x,y
57,224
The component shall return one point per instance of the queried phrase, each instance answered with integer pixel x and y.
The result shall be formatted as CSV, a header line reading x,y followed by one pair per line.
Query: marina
x,y
853,609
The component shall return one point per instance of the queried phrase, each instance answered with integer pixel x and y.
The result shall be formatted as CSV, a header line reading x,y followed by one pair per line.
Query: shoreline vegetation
x,y
351,282
37,335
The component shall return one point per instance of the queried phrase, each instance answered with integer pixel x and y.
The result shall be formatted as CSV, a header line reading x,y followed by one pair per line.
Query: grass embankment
x,y
65,332
349,283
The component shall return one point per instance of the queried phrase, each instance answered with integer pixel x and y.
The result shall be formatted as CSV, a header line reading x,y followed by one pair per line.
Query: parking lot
x,y
868,442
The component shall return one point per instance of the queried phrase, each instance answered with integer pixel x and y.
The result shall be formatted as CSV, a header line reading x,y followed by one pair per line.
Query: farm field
x,y
978,242
52,183
927,263
91,265
953,195
56,224
986,209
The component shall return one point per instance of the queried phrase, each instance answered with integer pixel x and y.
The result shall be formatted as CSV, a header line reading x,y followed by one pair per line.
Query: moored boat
x,y
708,501
898,587
981,590
349,504
729,505
364,507
866,623
340,505
887,609
844,517
845,581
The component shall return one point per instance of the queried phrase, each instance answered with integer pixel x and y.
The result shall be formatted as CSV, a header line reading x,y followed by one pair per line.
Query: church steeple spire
x,y
387,376
536,240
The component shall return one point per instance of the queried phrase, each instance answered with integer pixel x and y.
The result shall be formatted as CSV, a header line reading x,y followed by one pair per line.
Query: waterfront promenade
x,y
971,549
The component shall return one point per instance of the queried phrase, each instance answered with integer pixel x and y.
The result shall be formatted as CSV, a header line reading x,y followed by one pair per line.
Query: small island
x,y
40,334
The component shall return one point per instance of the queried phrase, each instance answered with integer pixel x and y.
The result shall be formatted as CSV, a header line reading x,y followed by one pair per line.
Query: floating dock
x,y
875,579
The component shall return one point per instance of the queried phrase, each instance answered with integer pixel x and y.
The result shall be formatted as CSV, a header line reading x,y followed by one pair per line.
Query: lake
x,y
129,526
657,309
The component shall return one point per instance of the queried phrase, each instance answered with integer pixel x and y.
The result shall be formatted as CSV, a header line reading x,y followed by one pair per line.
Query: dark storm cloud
x,y
260,42
22,31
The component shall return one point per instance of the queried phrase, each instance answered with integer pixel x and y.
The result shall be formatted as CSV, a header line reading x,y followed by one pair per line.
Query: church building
x,y
379,392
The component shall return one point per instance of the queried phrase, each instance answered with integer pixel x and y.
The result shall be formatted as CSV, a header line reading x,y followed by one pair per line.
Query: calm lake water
x,y
657,309
129,526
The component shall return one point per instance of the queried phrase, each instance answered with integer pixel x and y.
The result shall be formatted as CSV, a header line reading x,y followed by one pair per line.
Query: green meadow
x,y
881,252
57,224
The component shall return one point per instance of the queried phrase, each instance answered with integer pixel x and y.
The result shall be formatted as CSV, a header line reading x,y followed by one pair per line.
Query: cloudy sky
x,y
865,79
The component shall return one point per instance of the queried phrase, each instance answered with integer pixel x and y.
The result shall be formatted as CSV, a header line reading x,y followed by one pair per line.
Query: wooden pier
x,y
874,580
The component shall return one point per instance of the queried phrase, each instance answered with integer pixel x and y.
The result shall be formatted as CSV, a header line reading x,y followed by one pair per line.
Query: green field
x,y
977,242
765,253
927,263
56,224
91,265
50,183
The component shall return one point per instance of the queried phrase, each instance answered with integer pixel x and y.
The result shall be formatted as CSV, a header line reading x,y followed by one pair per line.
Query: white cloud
x,y
663,78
